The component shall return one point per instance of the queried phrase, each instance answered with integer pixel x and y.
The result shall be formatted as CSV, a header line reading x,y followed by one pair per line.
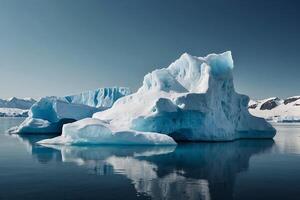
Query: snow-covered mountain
x,y
191,100
276,109
15,107
14,102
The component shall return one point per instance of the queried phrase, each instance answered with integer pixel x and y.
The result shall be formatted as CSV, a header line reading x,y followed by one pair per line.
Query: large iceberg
x,y
49,114
191,100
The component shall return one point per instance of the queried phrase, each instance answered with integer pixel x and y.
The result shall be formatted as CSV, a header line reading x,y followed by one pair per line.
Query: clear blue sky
x,y
59,47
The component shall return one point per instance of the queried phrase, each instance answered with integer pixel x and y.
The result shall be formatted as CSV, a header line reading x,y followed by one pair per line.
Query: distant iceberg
x,y
49,114
191,100
101,98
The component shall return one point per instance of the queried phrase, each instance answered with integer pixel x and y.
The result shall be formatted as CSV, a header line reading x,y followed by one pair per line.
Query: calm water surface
x,y
245,169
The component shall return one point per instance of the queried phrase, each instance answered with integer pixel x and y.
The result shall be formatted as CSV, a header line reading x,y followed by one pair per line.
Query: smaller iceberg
x,y
49,114
95,131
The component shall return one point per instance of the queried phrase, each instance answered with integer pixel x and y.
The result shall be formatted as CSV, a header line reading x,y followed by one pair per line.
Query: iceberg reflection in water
x,y
186,171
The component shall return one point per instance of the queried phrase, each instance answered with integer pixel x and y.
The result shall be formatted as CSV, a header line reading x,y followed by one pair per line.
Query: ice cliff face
x,y
276,109
191,100
50,113
100,98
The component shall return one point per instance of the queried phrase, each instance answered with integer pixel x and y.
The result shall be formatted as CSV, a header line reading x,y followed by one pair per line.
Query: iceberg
x,y
191,100
100,98
49,114
94,131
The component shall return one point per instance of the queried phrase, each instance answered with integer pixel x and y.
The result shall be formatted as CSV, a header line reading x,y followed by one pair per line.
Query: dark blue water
x,y
245,169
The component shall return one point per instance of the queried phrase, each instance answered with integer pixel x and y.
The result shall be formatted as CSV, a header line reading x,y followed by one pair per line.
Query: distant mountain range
x,y
276,109
14,102
15,107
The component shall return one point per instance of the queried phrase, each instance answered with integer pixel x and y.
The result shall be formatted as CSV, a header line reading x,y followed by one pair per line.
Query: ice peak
x,y
12,99
185,55
190,73
221,64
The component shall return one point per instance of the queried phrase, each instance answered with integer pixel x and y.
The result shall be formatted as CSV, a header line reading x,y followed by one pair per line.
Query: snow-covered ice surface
x,y
277,110
50,113
94,131
191,100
